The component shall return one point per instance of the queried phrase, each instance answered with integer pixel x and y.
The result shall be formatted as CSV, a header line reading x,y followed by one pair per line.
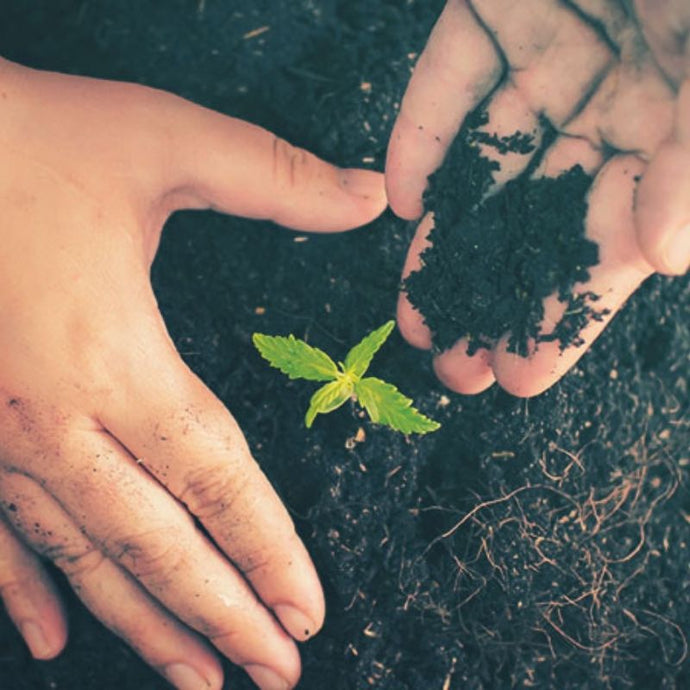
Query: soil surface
x,y
541,543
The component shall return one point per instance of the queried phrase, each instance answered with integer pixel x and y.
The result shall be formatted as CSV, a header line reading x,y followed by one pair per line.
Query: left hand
x,y
112,452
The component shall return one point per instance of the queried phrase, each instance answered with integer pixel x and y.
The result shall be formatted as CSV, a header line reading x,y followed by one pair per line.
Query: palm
x,y
594,80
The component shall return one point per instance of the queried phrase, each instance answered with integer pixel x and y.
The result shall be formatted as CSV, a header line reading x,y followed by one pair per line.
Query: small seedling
x,y
384,403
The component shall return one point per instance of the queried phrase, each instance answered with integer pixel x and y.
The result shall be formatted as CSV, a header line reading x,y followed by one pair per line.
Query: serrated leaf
x,y
328,398
387,405
295,358
359,357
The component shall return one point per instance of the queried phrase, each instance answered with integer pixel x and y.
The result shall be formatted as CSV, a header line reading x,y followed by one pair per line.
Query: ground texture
x,y
540,543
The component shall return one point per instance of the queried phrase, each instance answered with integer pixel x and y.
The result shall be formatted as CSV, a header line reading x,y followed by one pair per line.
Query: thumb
x,y
662,209
239,168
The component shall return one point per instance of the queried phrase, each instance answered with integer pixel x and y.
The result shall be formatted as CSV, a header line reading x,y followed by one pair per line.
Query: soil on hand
x,y
496,256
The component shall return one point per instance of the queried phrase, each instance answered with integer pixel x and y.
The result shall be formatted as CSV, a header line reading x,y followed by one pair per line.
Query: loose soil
x,y
496,256
539,543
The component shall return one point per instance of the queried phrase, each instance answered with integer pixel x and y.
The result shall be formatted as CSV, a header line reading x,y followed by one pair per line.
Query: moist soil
x,y
528,543
495,256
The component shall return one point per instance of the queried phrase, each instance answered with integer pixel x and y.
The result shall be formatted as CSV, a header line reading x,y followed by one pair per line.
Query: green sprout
x,y
384,403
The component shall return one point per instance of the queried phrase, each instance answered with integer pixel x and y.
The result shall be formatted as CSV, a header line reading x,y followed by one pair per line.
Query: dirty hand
x,y
613,85
110,447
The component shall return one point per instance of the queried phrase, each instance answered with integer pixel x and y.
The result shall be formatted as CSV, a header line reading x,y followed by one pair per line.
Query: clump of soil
x,y
495,257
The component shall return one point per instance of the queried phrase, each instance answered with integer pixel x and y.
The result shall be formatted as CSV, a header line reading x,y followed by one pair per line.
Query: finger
x,y
188,440
237,167
457,70
410,321
132,519
204,159
30,597
662,212
462,372
456,369
109,593
620,271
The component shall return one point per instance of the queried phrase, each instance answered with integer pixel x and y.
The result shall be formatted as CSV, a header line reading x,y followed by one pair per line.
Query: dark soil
x,y
539,543
494,259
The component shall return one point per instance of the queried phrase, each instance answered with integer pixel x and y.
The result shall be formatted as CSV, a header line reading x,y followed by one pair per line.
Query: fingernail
x,y
36,640
363,183
266,678
184,677
678,251
300,626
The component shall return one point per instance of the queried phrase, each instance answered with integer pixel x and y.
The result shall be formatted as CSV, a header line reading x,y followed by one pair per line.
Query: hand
x,y
109,445
617,96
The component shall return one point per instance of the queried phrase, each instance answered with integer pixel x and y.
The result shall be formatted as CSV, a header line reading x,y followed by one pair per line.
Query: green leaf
x,y
359,357
296,358
387,405
328,398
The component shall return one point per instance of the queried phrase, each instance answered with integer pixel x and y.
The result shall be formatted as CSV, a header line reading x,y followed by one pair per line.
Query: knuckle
x,y
292,166
222,635
210,492
11,585
155,555
258,560
77,564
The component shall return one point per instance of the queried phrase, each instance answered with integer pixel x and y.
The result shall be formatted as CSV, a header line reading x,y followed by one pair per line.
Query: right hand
x,y
625,91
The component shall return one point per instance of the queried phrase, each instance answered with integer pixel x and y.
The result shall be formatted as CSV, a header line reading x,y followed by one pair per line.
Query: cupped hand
x,y
111,449
612,82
